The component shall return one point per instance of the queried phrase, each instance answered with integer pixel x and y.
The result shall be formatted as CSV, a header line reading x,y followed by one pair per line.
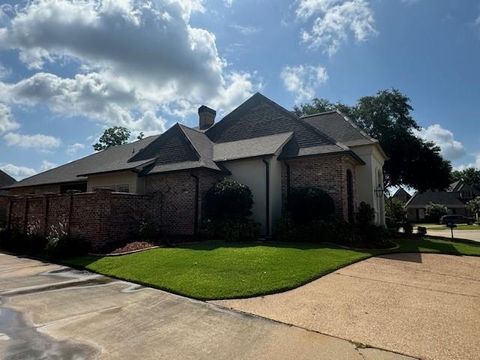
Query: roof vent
x,y
206,117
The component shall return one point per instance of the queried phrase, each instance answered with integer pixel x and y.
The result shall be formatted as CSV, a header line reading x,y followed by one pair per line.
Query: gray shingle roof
x,y
114,159
449,199
247,148
5,180
339,127
258,127
260,116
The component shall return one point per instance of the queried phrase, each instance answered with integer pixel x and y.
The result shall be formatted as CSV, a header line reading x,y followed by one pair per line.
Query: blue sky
x,y
70,69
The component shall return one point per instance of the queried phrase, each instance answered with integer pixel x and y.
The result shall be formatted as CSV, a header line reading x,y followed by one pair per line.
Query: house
x,y
259,144
401,195
455,199
5,180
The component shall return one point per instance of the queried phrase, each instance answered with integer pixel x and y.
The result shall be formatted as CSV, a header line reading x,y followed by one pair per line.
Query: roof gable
x,y
339,127
6,179
259,116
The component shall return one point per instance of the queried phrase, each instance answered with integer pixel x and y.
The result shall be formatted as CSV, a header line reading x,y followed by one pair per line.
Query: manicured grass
x,y
219,270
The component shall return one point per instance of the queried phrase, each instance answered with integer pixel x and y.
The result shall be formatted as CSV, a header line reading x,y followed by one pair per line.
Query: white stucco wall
x,y
369,177
113,180
251,172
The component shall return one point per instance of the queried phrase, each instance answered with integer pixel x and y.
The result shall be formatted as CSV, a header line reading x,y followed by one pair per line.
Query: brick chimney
x,y
206,117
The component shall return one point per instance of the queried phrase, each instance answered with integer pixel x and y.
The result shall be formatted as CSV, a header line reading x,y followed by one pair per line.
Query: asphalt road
x,y
422,305
51,312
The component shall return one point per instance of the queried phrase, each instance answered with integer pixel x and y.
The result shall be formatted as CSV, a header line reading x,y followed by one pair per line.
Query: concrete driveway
x,y
423,305
458,234
52,312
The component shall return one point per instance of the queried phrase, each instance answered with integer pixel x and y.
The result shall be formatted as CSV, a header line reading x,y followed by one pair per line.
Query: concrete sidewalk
x,y
473,235
423,305
48,311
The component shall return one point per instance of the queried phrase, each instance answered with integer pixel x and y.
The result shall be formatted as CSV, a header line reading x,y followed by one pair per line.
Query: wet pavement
x,y
52,312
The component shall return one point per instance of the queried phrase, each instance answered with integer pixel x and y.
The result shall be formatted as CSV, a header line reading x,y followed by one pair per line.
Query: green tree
x,y
113,136
395,209
435,211
141,136
387,117
474,207
470,176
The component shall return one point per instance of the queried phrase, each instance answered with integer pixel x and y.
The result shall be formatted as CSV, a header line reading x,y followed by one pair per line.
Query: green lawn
x,y
219,270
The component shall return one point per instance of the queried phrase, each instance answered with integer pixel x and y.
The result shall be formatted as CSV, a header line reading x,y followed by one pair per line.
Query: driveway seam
x,y
411,286
357,345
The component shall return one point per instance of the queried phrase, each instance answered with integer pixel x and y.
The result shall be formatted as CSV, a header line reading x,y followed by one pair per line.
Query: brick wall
x,y
178,195
328,173
4,202
101,217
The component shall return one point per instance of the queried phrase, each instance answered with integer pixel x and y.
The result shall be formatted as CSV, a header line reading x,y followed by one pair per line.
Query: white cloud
x,y
451,148
474,164
334,21
74,148
7,122
228,3
18,172
47,165
37,141
245,30
136,58
302,80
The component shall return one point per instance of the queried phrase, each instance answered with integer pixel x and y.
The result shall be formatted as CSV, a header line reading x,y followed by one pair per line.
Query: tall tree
x,y
470,176
113,136
387,117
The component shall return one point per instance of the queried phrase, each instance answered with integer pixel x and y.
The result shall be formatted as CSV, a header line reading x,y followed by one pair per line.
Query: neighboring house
x,y
259,144
5,180
455,198
402,195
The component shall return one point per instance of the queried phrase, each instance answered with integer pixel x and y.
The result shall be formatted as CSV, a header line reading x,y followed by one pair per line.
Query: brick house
x,y
454,198
260,144
5,180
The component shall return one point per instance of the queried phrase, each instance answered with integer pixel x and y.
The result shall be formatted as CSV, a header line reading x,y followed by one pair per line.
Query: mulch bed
x,y
132,247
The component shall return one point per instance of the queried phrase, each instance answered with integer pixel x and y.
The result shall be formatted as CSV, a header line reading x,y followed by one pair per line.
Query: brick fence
x,y
102,217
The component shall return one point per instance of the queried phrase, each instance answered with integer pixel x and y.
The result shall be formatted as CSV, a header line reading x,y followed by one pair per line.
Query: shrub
x,y
234,230
395,210
228,200
148,230
306,204
66,246
365,215
407,228
421,230
333,231
435,211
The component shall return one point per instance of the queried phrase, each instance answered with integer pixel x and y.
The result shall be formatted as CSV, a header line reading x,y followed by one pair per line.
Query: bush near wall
x,y
227,207
60,247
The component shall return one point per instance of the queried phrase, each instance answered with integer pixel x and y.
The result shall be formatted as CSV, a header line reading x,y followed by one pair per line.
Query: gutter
x,y
197,191
267,198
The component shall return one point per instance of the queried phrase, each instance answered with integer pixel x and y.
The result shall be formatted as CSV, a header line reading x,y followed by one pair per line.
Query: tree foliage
x,y
470,176
474,207
387,117
395,209
435,211
113,136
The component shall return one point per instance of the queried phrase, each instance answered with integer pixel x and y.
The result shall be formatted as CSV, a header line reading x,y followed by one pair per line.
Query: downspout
x,y
267,198
197,191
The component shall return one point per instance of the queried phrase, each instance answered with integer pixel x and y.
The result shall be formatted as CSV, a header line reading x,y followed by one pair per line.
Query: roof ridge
x,y
317,114
189,141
